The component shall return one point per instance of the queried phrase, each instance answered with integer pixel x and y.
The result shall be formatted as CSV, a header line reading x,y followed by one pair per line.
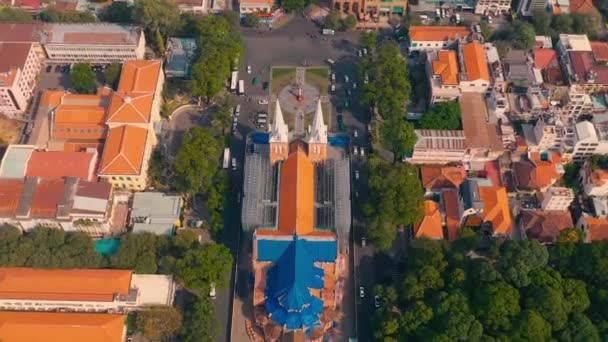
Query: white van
x,y
233,164
237,110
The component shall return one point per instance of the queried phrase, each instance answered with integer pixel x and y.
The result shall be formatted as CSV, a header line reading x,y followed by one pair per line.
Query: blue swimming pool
x,y
107,247
338,140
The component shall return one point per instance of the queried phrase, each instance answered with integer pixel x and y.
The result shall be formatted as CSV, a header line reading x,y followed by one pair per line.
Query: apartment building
x,y
582,66
557,199
474,71
82,290
442,70
18,71
366,9
588,140
438,147
92,42
69,204
430,38
544,136
494,7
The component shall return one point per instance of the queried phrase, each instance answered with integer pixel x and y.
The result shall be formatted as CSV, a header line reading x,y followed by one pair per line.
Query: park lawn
x,y
318,78
281,77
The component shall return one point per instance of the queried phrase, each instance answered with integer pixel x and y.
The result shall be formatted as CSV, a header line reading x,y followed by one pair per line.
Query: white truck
x,y
226,158
241,88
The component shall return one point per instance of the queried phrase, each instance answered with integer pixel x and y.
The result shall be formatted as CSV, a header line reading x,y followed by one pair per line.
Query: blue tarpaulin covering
x,y
290,279
260,138
271,250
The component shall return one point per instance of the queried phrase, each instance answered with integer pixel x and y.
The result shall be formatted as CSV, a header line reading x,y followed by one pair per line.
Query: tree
x,y
495,304
293,5
223,117
398,136
579,328
550,304
137,252
83,78
118,12
530,326
523,35
15,15
562,23
486,30
396,199
197,160
200,267
158,323
251,20
442,115
112,72
576,295
416,316
368,39
541,20
159,18
349,23
54,15
332,20
199,322
570,235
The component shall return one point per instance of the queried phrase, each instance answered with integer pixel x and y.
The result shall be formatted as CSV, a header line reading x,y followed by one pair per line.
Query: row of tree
x,y
334,21
518,291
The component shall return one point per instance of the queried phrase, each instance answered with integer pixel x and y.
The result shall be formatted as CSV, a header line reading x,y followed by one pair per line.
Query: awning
x,y
397,9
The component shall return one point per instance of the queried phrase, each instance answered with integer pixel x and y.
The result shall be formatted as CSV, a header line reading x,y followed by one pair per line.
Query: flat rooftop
x,y
92,34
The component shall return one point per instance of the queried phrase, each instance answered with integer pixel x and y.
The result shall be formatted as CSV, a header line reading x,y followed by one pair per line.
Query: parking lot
x,y
57,76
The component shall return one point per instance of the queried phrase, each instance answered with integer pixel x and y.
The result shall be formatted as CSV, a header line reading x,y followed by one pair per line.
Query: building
x,y
155,212
482,136
429,38
17,77
69,204
82,290
255,6
579,64
495,7
180,52
474,71
595,229
518,68
543,136
557,199
435,177
452,210
487,206
438,147
296,208
442,70
93,42
594,179
546,66
62,326
538,172
431,226
527,7
366,9
544,226
194,6
588,140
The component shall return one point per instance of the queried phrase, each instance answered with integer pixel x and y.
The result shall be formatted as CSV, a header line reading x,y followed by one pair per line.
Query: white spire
x,y
318,132
278,129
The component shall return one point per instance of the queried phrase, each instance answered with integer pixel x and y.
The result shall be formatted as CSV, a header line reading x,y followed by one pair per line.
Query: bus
x,y
226,158
241,88
233,81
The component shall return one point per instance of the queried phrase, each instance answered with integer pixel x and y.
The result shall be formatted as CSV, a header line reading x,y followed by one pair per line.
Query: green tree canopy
x,y
197,160
442,115
83,78
368,39
530,326
112,73
349,23
398,136
523,35
158,323
332,20
496,304
118,12
15,15
202,266
55,15
199,322
293,5
159,18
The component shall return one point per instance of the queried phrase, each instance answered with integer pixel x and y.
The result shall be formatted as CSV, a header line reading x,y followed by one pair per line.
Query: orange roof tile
x,y
80,114
51,97
58,285
54,164
546,169
439,177
139,76
496,209
296,202
582,6
446,67
10,192
475,62
600,51
430,226
544,57
123,153
60,327
437,33
451,202
130,107
46,198
545,225
598,228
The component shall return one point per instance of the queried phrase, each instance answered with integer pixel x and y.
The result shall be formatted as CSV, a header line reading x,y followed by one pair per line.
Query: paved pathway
x,y
299,123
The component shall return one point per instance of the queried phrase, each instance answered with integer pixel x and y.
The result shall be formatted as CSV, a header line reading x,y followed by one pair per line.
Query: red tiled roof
x,y
582,6
496,209
493,172
598,228
51,164
430,226
446,66
583,63
21,32
600,51
545,226
10,191
123,153
475,62
46,197
437,33
439,177
451,202
544,57
296,206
